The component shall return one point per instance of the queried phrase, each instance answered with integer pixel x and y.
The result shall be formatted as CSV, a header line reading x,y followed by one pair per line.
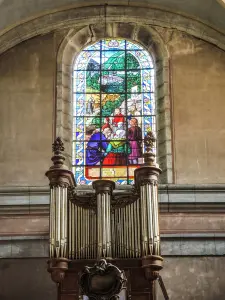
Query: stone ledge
x,y
171,222
212,244
172,198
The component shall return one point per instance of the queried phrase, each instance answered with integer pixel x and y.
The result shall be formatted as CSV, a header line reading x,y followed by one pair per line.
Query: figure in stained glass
x,y
135,139
106,123
90,106
96,146
117,150
118,118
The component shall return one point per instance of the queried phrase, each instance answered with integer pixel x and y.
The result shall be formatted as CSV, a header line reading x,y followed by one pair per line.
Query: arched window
x,y
113,109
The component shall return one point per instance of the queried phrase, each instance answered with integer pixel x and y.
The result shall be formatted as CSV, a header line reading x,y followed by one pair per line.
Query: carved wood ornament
x,y
102,281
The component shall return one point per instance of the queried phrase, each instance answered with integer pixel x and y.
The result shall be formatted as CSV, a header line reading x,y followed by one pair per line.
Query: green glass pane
x,y
113,60
92,81
132,62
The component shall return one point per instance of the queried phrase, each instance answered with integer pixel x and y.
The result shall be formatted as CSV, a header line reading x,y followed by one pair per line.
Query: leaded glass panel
x,y
113,109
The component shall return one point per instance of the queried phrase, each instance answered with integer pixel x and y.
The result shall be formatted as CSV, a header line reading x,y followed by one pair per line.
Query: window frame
x,y
149,39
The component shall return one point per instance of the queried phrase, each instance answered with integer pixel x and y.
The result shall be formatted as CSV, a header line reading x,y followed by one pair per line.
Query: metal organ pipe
x,y
104,190
58,222
157,234
146,180
60,178
129,231
125,228
82,236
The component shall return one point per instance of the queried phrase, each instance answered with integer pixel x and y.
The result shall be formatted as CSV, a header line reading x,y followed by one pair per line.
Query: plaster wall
x,y
26,114
27,81
198,88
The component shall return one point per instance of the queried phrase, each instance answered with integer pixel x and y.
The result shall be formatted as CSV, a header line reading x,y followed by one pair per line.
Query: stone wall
x,y
26,114
194,278
27,84
189,278
24,279
198,72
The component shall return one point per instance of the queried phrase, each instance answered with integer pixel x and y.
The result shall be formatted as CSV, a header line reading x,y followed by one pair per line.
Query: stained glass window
x,y
113,109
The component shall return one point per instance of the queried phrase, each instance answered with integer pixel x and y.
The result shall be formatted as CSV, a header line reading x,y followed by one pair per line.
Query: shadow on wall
x,y
25,279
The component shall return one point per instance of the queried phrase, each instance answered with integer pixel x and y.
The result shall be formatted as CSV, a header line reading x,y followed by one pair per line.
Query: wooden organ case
x,y
104,242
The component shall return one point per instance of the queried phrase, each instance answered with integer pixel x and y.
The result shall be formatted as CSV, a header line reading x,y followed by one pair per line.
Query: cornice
x,y
172,198
194,244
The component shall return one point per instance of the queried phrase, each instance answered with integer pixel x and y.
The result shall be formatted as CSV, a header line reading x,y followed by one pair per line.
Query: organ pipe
x,y
146,181
129,230
103,189
149,213
61,179
103,225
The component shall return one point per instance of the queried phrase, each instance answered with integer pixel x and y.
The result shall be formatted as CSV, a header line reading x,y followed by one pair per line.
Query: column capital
x,y
146,174
103,186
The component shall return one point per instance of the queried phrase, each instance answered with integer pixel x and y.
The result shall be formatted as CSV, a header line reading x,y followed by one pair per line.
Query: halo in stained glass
x,y
113,109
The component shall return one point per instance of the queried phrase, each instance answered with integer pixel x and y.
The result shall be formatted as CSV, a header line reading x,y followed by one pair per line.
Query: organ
x,y
104,241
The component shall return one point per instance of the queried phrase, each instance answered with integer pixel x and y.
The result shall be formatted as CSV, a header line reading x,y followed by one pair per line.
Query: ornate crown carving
x,y
102,281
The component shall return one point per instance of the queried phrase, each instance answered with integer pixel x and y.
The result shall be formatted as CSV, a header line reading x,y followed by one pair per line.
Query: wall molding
x,y
203,198
195,199
83,16
171,245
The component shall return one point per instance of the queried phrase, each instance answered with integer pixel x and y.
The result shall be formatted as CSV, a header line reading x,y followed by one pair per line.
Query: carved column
x,y
146,181
104,190
61,178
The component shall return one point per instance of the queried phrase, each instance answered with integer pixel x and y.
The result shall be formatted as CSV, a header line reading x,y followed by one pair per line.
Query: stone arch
x,y
75,41
83,15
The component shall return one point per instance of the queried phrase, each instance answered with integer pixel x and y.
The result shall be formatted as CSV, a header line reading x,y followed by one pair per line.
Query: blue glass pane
x,y
79,82
144,60
148,104
149,124
93,64
133,46
148,82
78,123
79,104
88,60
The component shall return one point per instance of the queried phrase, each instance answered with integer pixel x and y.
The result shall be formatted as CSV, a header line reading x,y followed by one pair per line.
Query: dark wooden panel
x,y
137,285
